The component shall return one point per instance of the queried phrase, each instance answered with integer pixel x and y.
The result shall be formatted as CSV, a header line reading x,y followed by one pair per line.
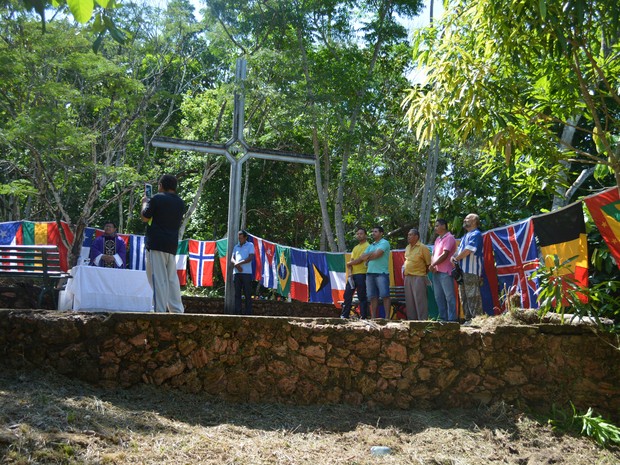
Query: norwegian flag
x,y
201,260
516,258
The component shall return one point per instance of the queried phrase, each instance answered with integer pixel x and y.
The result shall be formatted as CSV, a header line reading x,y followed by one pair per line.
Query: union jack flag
x,y
516,258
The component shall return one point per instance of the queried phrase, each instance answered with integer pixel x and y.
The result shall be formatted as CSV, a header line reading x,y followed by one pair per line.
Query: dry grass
x,y
48,419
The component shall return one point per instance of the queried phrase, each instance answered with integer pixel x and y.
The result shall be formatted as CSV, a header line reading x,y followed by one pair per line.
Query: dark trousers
x,y
243,283
360,286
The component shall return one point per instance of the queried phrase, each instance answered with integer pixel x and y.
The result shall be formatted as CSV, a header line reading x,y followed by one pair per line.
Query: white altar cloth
x,y
107,289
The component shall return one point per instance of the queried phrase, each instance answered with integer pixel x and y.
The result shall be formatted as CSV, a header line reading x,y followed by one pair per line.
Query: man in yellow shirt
x,y
417,261
357,277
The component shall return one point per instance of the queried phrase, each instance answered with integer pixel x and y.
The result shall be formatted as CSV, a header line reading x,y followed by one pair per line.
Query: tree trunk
x,y
559,198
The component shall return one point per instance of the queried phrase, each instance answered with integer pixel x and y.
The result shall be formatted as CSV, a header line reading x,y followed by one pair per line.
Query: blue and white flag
x,y
8,232
136,253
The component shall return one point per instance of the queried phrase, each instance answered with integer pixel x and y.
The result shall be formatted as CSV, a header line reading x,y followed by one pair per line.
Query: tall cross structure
x,y
236,151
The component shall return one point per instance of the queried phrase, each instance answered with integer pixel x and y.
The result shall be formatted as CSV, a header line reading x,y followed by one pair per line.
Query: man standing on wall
x,y
241,260
443,283
377,256
357,277
469,257
163,214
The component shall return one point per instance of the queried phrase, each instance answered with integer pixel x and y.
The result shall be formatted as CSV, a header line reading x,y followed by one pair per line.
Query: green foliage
x,y
558,291
588,424
512,75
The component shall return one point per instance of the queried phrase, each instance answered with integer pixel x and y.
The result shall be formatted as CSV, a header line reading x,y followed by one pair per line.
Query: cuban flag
x,y
201,261
268,261
516,258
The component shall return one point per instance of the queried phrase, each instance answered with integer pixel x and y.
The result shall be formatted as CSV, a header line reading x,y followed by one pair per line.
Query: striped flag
x,y
299,275
318,279
137,253
181,259
397,260
336,264
47,233
563,233
257,263
222,246
268,260
201,261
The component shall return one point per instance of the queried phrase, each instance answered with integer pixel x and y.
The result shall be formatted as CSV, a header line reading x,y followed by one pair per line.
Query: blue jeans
x,y
360,287
443,288
243,282
378,285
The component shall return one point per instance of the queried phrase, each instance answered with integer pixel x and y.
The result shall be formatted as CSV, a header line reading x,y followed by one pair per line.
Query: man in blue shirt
x,y
469,257
377,256
241,259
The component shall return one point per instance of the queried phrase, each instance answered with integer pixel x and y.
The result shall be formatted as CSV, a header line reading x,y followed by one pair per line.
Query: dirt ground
x,y
49,419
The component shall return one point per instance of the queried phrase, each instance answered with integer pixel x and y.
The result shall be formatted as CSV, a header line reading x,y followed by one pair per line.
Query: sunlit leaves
x,y
514,72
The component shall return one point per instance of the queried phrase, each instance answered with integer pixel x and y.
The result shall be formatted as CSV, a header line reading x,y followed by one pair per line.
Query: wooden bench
x,y
33,262
398,310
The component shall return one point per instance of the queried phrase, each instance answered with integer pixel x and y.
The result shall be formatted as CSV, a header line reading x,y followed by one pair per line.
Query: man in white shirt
x,y
241,260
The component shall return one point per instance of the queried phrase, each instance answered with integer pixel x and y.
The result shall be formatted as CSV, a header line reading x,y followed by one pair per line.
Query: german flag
x,y
563,233
605,211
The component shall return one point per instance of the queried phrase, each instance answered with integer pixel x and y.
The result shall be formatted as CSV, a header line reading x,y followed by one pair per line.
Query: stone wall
x,y
307,361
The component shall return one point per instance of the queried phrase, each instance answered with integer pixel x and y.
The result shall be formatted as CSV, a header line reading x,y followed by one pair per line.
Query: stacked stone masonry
x,y
322,360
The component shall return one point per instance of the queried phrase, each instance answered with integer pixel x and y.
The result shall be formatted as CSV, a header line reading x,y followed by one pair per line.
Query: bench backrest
x,y
42,260
397,293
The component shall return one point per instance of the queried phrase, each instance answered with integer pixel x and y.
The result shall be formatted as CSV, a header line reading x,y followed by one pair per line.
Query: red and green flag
x,y
605,211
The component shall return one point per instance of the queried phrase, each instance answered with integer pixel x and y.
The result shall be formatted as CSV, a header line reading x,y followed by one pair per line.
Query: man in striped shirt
x,y
469,257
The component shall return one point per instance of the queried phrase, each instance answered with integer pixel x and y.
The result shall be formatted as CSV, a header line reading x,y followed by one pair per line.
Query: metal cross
x,y
236,151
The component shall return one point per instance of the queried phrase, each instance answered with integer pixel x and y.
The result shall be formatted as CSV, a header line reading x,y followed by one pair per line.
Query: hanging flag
x,y
47,233
181,259
137,253
222,246
490,272
516,258
89,237
257,263
283,269
318,278
268,279
299,275
8,232
201,261
605,211
397,261
336,264
563,233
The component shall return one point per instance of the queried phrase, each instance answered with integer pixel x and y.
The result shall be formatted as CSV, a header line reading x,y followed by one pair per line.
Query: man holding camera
x,y
163,214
